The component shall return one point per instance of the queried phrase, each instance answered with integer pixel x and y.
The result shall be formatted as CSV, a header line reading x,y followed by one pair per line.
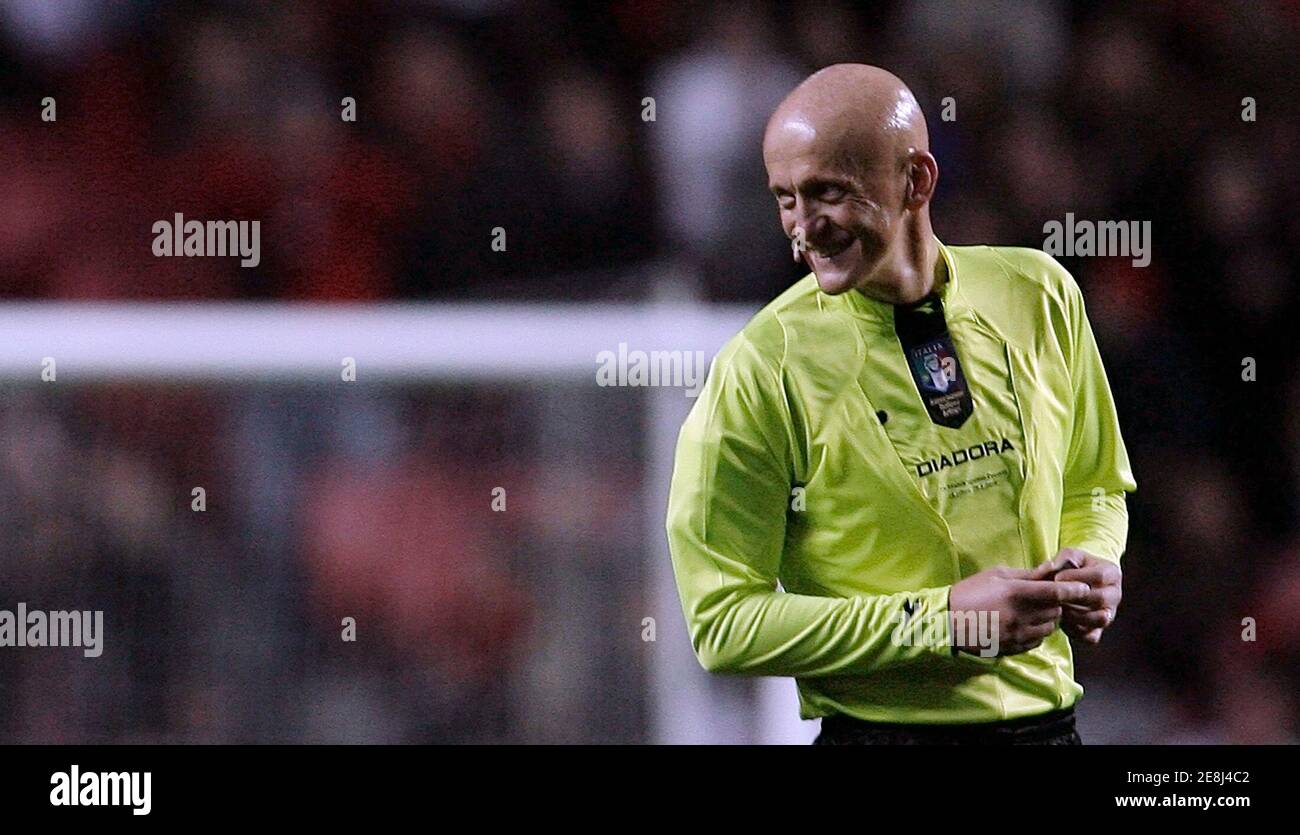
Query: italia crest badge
x,y
932,358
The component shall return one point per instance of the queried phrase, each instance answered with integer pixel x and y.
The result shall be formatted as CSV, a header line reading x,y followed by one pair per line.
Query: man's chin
x,y
833,282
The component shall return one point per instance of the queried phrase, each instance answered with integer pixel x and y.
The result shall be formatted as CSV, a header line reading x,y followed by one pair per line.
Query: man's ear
x,y
922,177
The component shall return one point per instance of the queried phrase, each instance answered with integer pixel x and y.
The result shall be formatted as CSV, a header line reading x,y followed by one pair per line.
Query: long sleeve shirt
x,y
815,507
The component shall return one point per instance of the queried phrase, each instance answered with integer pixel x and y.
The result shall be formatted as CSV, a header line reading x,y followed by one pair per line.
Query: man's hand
x,y
1028,604
1086,619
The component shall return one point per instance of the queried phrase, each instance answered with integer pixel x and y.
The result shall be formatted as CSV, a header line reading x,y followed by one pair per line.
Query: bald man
x,y
904,482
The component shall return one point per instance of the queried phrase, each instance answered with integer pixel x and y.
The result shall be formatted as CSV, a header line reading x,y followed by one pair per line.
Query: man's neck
x,y
917,271
930,271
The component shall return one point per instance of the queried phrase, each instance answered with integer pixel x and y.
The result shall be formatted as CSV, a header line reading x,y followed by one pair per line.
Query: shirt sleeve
x,y
727,506
1097,474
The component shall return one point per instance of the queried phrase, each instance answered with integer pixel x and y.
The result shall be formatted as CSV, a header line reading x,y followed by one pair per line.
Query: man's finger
x,y
1048,568
1051,593
1096,573
1094,600
1100,597
1093,575
1087,621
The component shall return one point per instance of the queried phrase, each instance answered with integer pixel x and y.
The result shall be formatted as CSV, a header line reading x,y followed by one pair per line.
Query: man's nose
x,y
808,217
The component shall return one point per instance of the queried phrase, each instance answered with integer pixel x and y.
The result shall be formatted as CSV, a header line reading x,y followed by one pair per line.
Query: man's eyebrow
x,y
820,181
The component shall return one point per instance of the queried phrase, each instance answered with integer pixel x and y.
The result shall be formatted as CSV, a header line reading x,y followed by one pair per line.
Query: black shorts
x,y
1055,728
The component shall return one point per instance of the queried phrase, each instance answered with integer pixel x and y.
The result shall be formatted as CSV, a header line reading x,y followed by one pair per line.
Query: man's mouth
x,y
829,251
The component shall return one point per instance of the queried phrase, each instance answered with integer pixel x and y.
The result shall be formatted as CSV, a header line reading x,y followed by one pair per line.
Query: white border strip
x,y
96,342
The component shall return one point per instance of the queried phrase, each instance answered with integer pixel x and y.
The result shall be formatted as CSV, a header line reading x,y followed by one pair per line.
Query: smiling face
x,y
848,162
849,209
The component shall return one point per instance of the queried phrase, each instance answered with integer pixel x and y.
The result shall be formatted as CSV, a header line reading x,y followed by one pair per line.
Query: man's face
x,y
849,209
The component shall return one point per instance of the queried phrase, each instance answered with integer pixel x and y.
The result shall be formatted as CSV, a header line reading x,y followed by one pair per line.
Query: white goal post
x,y
231,342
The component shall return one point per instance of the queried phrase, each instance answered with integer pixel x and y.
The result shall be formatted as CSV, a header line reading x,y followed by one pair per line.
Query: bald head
x,y
854,111
848,160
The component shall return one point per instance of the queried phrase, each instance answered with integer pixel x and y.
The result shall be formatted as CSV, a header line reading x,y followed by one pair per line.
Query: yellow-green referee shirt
x,y
809,459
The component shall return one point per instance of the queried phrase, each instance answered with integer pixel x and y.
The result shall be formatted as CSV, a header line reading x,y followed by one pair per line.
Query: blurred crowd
x,y
471,619
616,144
